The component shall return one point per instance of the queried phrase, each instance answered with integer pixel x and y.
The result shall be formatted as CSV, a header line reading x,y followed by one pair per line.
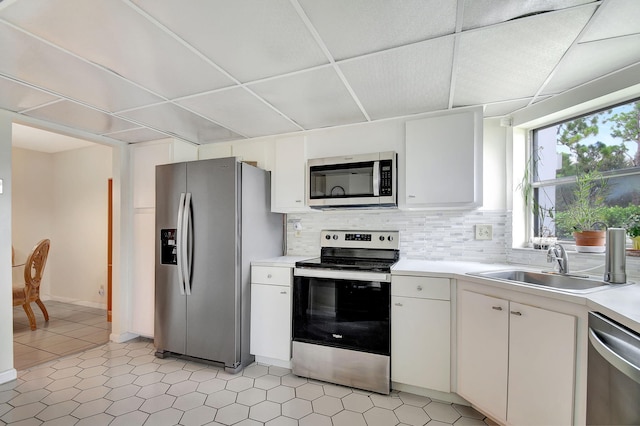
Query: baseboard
x,y
72,301
124,337
9,375
273,361
433,394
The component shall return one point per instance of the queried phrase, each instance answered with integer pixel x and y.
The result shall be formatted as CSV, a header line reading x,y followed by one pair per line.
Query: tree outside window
x,y
607,143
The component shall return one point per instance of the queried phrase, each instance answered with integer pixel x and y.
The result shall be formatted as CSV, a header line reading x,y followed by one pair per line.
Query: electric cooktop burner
x,y
375,251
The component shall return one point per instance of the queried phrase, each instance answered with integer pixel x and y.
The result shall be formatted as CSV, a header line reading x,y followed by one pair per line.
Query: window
x,y
602,150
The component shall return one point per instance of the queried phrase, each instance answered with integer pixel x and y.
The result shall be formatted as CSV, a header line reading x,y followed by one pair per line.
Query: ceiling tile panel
x,y
139,134
403,81
181,123
117,37
240,110
617,18
580,65
30,60
505,108
250,39
357,27
480,13
512,61
80,117
313,99
16,96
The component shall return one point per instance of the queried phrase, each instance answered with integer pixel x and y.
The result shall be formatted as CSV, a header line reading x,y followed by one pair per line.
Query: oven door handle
x,y
343,275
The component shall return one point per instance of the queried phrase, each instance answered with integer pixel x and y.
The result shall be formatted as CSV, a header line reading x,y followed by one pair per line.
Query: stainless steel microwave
x,y
366,180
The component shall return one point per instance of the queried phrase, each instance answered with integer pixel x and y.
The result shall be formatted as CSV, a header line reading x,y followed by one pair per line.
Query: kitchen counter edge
x,y
621,304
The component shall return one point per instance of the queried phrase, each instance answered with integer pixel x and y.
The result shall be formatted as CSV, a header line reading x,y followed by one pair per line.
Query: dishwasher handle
x,y
614,358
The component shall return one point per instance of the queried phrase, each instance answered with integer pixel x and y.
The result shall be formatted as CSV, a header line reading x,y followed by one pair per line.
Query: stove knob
x,y
390,238
381,237
327,237
335,237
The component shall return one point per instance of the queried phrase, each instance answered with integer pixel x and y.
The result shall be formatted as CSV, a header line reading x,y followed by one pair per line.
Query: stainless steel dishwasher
x,y
613,381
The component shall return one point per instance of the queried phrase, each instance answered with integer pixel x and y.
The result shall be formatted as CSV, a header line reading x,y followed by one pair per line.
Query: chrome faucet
x,y
559,254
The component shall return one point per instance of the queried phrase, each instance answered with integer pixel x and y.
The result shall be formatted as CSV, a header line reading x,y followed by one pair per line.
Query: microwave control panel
x,y
386,177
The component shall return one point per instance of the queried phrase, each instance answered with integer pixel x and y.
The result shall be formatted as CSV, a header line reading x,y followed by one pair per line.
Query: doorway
x,y
59,192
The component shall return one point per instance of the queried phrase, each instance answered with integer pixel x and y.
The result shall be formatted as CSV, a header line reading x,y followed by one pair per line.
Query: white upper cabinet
x,y
145,157
443,167
288,180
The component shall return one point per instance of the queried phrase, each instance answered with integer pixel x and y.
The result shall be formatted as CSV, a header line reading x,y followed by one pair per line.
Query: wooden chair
x,y
24,294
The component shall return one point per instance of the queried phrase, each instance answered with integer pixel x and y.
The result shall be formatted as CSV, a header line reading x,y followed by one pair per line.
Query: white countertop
x,y
442,268
621,304
283,261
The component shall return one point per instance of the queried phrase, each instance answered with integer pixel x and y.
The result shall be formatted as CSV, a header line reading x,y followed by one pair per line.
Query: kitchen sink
x,y
562,282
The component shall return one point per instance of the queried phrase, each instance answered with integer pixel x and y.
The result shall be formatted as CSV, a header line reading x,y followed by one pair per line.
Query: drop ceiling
x,y
208,71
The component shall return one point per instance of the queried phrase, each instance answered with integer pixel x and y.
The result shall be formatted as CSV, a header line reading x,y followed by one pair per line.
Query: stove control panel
x,y
360,239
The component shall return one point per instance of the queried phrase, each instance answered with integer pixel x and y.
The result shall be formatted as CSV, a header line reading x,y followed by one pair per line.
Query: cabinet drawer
x,y
421,287
271,275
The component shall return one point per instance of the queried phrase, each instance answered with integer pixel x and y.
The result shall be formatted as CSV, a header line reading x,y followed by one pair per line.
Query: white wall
x,y
32,206
7,372
63,197
79,237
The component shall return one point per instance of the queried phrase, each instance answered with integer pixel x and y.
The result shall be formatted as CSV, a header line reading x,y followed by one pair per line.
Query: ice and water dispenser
x,y
168,247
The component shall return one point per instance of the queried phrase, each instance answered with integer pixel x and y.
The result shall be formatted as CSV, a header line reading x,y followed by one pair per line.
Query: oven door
x,y
342,309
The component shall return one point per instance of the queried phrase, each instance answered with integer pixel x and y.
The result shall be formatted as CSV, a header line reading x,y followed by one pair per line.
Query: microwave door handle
x,y
376,178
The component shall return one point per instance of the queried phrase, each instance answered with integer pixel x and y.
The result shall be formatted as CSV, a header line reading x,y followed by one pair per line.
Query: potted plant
x,y
633,230
586,213
543,215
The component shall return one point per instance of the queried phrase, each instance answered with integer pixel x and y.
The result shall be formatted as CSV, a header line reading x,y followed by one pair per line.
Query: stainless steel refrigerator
x,y
212,219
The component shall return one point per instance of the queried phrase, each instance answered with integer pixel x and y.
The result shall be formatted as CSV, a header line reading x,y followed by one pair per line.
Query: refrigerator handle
x,y
179,233
186,228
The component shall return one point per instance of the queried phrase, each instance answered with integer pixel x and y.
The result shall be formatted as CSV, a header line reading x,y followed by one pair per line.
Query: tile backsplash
x,y
429,235
438,235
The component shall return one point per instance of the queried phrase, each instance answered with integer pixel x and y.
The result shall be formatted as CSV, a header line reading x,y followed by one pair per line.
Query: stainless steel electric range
x,y
342,309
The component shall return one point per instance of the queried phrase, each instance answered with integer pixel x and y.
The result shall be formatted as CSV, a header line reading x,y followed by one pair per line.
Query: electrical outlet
x,y
484,232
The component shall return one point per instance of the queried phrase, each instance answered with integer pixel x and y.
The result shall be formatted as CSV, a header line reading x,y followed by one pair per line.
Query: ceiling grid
x,y
209,71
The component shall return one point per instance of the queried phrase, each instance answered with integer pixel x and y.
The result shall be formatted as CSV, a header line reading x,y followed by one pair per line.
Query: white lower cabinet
x,y
516,362
271,314
420,332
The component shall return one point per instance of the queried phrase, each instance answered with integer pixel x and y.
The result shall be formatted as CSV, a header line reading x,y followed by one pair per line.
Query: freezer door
x,y
170,304
213,308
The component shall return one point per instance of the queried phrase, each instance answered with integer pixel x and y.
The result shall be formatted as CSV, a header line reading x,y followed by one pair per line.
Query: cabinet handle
x,y
283,292
298,201
516,313
497,308
398,304
412,196
269,276
419,288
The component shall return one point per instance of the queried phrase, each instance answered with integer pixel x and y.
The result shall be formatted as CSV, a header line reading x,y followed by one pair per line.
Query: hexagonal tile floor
x,y
125,384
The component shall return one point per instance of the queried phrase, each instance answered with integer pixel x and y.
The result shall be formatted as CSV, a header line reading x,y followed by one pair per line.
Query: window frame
x,y
532,218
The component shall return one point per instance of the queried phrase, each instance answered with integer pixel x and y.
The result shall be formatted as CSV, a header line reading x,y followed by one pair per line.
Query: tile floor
x,y
125,384
71,328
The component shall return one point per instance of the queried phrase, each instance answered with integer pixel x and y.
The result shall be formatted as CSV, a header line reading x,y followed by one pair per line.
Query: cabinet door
x,y
145,159
541,366
143,292
289,175
483,333
271,321
444,161
420,342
